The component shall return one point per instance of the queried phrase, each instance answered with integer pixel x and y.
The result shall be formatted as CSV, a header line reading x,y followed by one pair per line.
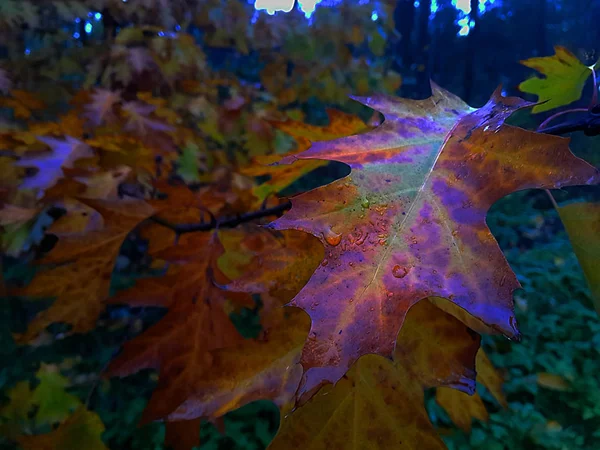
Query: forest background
x,y
234,70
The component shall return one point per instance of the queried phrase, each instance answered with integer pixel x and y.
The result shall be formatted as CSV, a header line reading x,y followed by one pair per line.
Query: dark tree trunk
x,y
470,56
423,43
404,19
540,34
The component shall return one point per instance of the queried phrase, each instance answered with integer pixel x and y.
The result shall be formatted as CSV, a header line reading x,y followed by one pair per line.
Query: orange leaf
x,y
81,283
180,345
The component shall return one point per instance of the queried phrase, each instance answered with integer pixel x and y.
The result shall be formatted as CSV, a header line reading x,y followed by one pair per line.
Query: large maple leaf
x,y
409,221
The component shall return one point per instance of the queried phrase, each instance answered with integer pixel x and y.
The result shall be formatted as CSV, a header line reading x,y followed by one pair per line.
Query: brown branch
x,y
226,222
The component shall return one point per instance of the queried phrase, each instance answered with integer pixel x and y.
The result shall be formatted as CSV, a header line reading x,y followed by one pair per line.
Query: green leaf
x,y
564,77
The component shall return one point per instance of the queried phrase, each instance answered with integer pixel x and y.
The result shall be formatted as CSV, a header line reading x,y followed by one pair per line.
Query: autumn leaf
x,y
553,381
181,344
281,176
277,269
80,281
117,150
22,103
463,408
490,377
50,165
564,77
101,110
48,401
409,221
255,369
104,185
379,403
582,223
140,59
82,426
139,120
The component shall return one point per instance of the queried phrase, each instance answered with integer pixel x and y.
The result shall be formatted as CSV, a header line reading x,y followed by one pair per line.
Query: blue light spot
x,y
463,5
90,14
374,16
275,5
308,7
161,33
27,51
464,31
417,4
177,27
98,16
434,6
88,27
77,20
76,35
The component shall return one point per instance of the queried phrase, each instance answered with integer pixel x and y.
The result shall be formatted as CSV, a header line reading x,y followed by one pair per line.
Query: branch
x,y
225,222
590,125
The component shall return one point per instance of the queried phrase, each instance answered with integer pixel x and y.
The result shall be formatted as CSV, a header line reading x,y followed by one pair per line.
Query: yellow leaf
x,y
48,399
82,430
552,381
582,222
563,81
461,408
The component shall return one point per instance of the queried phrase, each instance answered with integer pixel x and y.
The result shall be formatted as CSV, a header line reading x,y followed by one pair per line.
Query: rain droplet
x,y
390,294
503,280
324,262
399,271
351,264
371,309
332,237
365,203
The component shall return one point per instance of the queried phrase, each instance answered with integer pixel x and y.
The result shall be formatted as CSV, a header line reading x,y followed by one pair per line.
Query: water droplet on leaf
x,y
399,271
332,238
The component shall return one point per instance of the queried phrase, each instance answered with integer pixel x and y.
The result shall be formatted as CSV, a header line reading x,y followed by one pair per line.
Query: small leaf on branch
x,y
564,77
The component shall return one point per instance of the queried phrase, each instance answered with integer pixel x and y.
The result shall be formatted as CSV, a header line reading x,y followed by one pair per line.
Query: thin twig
x,y
589,125
545,123
226,222
595,93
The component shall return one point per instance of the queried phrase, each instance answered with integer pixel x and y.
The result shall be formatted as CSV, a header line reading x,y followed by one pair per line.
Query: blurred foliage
x,y
227,73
